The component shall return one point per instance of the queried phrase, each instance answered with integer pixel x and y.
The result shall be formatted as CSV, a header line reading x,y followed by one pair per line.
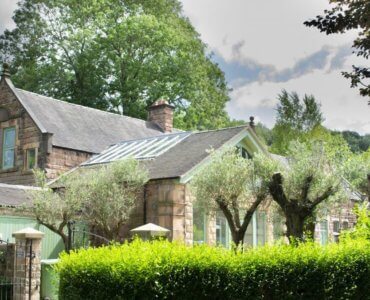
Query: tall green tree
x,y
295,117
116,55
344,16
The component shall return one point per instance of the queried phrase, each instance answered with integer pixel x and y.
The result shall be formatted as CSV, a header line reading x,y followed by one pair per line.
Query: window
x,y
199,226
345,225
336,231
8,148
324,232
222,231
31,157
261,228
243,152
256,230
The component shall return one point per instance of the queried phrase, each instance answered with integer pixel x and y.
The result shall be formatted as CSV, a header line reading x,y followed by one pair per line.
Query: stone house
x,y
56,136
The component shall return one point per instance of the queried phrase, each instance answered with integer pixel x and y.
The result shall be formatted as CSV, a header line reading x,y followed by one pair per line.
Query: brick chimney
x,y
161,113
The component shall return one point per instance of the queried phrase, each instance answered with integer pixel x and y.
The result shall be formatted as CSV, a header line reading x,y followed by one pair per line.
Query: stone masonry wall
x,y
168,204
54,160
27,136
61,160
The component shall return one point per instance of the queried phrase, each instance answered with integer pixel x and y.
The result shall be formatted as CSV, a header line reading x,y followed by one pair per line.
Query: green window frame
x,y
324,232
8,151
31,158
199,226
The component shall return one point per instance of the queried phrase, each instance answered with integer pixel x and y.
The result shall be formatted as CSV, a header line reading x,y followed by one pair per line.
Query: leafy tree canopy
x,y
294,118
116,55
344,16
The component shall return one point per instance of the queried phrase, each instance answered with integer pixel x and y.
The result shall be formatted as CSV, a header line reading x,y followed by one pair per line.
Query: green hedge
x,y
163,270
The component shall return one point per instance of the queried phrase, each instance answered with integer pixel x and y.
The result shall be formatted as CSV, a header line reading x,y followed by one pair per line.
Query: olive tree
x,y
307,181
103,197
235,186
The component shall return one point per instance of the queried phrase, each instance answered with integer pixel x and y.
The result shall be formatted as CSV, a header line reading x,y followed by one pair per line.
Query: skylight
x,y
139,149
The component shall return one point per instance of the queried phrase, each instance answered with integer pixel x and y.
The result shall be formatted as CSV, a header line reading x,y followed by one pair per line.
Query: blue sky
x,y
263,47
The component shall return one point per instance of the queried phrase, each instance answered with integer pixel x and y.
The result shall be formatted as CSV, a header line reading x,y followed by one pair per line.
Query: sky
x,y
263,47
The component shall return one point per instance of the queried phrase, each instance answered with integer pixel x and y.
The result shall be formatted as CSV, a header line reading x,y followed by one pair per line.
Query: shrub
x,y
163,270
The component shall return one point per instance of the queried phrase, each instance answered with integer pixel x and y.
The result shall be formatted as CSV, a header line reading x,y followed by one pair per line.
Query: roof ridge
x,y
85,107
220,129
154,137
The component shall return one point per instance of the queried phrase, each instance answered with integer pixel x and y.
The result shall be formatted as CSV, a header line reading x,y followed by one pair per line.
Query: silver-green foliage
x,y
103,196
233,185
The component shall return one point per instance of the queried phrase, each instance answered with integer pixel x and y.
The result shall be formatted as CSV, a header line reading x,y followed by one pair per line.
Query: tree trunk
x,y
310,229
295,226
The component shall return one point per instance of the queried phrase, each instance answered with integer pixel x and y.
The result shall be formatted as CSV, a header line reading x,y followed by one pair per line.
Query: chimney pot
x,y
5,73
161,113
251,121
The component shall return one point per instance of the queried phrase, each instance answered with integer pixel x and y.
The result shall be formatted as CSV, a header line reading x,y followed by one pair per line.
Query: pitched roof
x,y
15,195
178,158
81,128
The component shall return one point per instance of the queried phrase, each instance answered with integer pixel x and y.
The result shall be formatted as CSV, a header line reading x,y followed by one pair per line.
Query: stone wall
x,y
54,160
61,160
168,204
27,136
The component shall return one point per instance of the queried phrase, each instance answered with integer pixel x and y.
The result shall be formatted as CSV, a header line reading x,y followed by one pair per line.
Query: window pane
x,y
9,137
261,228
8,159
31,158
222,231
324,232
199,226
248,237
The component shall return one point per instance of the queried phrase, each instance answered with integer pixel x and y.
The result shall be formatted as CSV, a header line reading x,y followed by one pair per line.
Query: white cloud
x,y
342,107
269,39
272,31
6,10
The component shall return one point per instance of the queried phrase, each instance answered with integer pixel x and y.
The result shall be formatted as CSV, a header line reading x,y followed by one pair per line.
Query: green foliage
x,y
349,15
163,270
233,185
116,55
295,117
361,231
103,197
357,142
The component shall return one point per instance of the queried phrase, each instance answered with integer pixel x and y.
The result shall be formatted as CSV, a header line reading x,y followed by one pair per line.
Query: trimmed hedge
x,y
163,270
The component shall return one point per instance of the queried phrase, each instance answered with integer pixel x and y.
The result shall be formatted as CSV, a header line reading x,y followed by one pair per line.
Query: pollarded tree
x,y
308,181
103,197
235,186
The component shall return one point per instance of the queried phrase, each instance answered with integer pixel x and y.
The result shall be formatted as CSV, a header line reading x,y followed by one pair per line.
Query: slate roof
x,y
82,128
184,155
15,195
